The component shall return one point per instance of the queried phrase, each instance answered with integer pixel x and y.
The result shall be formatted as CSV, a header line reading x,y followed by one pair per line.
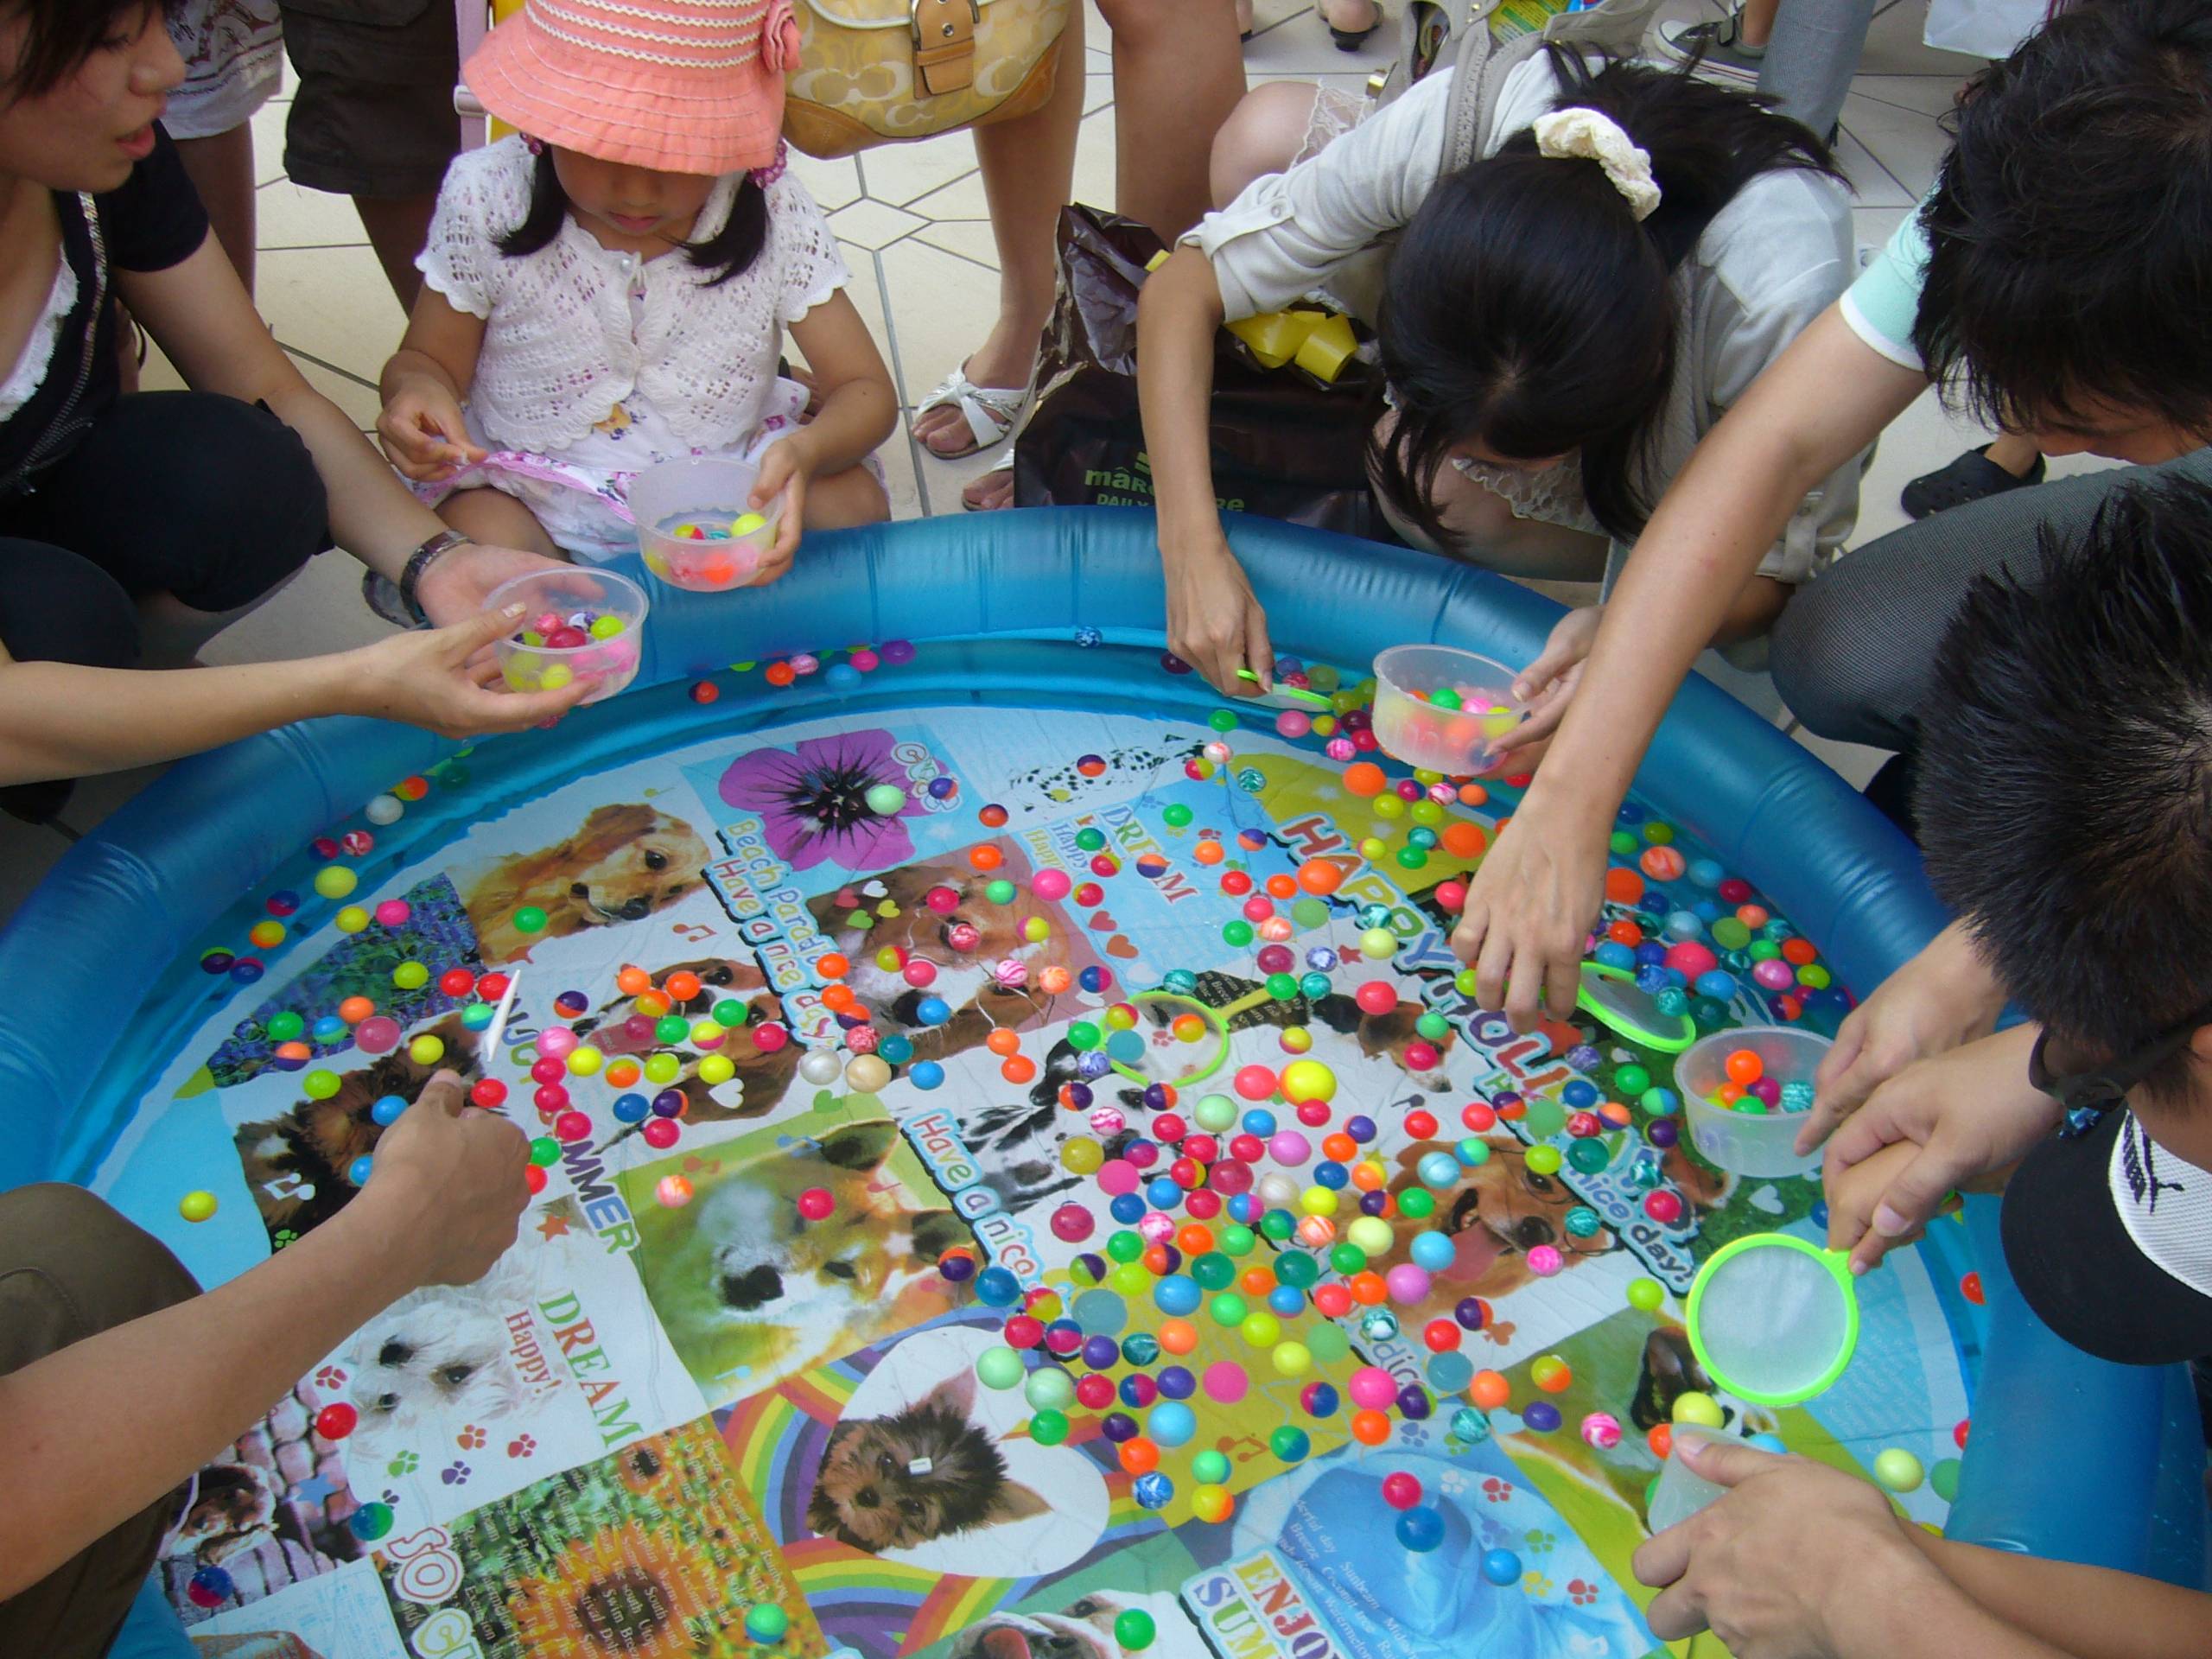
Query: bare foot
x,y
1002,363
1351,16
992,492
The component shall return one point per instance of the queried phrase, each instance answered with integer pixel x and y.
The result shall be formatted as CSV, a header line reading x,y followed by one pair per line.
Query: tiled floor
x,y
913,224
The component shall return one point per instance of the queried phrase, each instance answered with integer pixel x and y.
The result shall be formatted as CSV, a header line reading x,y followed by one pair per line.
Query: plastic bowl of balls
x,y
1014,1163
697,526
1744,1096
1438,709
576,624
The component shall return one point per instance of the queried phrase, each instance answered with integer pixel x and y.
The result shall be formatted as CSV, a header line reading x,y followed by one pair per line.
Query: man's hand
x,y
455,585
1970,1112
1944,997
447,1186
440,680
1783,1565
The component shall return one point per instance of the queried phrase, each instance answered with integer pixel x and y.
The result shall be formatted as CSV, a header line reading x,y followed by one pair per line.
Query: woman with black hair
x,y
1558,319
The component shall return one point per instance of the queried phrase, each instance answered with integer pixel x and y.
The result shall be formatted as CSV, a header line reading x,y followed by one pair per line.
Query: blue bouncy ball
x,y
1471,1151
1100,1353
1093,1066
1613,954
1171,1424
1653,978
386,1111
1242,1209
1332,1175
926,1074
1320,1400
1260,1121
1717,984
1360,1127
630,1108
942,788
1469,1426
1450,1372
1127,1046
840,677
330,1029
1290,1443
1152,1491
1420,1529
1137,1391
1140,1348
1128,1208
1094,978
1438,1170
1286,1301
1181,981
1313,986
998,1288
245,970
1705,873
1540,1417
211,1586
1579,1094
669,1103
894,1050
1162,1193
1177,1295
1650,954
1767,1443
358,1171
1432,1252
1176,1382
1501,1566
1684,925
1321,959
932,1011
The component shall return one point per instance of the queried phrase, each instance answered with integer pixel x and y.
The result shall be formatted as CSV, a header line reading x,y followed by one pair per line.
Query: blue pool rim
x,y
2069,1457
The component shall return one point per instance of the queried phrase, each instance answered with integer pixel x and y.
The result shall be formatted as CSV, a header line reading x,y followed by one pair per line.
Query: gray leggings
x,y
1812,57
1854,651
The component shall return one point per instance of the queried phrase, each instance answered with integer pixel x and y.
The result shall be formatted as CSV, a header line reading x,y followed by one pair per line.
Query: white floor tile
x,y
1872,183
832,184
95,798
1930,95
269,141
332,303
320,611
899,173
937,313
1853,762
286,216
1894,47
969,237
871,224
1909,145
1299,42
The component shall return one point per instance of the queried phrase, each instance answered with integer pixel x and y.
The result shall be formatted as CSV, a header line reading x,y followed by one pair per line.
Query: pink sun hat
x,y
675,86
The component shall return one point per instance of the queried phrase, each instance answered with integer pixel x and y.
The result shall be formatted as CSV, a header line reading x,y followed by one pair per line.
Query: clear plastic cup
x,y
689,511
1681,1493
1748,1143
610,661
1411,726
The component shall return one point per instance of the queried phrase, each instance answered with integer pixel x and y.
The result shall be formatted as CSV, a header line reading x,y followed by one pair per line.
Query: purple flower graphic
x,y
812,801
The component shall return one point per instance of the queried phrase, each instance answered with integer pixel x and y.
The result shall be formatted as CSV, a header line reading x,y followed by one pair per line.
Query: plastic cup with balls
x,y
607,645
696,525
1438,708
1681,1492
1761,1144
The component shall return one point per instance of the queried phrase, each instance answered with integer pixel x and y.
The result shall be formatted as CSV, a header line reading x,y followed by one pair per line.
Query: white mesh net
x,y
1772,1320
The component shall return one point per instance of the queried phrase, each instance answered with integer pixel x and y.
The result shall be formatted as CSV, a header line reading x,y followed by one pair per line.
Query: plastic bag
x,y
1983,29
1285,445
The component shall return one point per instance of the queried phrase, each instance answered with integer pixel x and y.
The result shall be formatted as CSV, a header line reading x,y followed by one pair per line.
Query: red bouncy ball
x,y
816,1203
336,1420
456,982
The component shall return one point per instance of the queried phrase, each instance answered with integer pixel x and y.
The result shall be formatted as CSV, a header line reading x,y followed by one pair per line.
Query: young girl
x,y
611,289
1559,319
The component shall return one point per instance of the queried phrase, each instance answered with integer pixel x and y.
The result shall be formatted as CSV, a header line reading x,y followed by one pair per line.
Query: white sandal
x,y
988,411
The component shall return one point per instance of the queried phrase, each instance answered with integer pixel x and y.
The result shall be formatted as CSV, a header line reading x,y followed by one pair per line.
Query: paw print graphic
x,y
454,1474
1535,1584
1453,1483
470,1439
390,1497
1581,1591
1496,1490
406,1463
282,1236
521,1446
1538,1541
329,1379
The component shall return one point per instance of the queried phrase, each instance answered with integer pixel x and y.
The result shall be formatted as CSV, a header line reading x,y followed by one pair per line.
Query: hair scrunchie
x,y
1591,136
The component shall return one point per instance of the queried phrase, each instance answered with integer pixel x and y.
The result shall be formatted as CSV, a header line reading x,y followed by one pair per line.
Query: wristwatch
x,y
421,560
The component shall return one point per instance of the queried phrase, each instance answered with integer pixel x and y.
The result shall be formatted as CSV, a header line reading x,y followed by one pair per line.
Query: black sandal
x,y
1972,477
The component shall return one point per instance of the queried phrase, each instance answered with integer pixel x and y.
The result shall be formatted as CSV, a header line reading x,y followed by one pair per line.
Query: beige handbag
x,y
882,72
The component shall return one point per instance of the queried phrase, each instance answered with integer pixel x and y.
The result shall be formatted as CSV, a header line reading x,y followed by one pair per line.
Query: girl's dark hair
x,y
729,251
60,34
2070,230
1526,308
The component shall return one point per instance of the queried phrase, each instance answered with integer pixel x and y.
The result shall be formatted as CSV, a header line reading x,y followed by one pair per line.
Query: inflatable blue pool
x,y
1035,686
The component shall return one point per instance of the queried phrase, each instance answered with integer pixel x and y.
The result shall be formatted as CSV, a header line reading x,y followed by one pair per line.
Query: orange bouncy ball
x,y
986,857
1139,1456
1490,1390
1370,1427
1320,877
1661,1439
1018,1068
1209,852
632,980
1177,1337
1369,1290
839,999
1464,840
1623,887
680,987
1365,777
1003,1040
832,966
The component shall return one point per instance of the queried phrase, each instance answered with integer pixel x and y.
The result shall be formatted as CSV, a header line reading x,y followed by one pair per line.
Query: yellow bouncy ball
x,y
335,880
1120,1017
584,1061
1542,1159
1700,1410
1261,1329
1296,1040
1378,942
1188,1028
1212,1504
1371,1234
663,1068
715,1069
1047,1308
1500,721
321,1085
1308,1080
1387,807
1292,1359
266,934
1551,1373
1082,1156
426,1050
352,919
1130,1279
196,1206
410,975
707,1032
1317,1201
1036,930
1374,851
887,959
864,1073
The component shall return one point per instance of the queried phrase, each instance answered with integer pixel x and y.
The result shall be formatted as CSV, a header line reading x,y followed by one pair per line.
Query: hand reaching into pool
x,y
1528,914
1547,686
1942,998
1798,1561
1969,1113
448,1181
1214,622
